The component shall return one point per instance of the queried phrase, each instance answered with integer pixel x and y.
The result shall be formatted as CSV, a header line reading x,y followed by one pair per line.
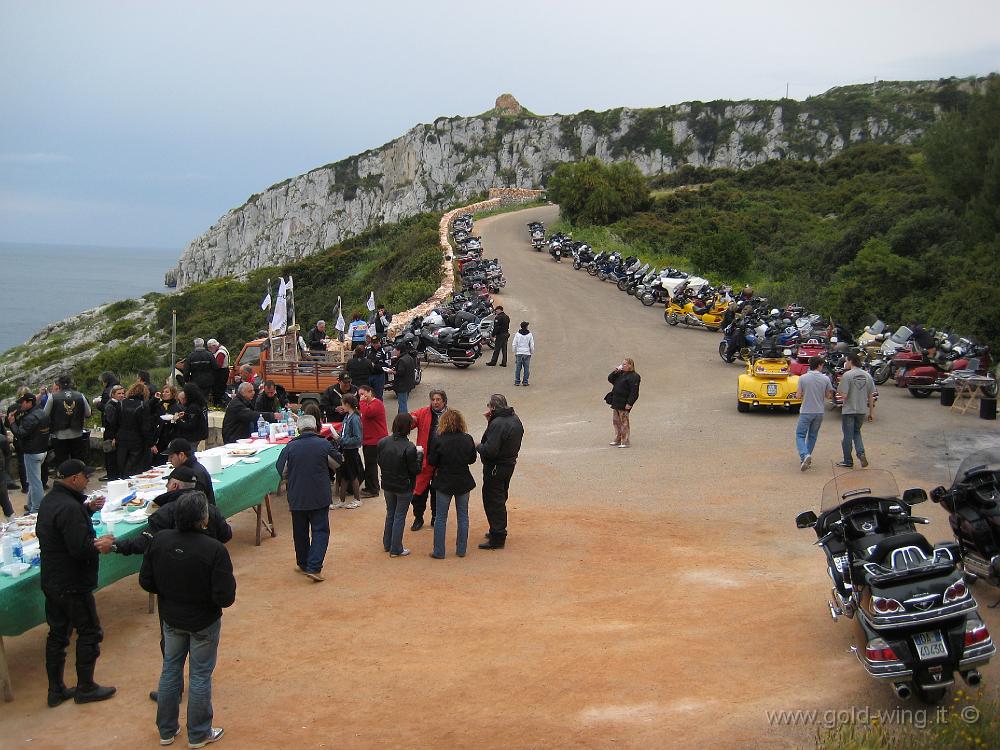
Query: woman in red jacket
x,y
373,429
426,422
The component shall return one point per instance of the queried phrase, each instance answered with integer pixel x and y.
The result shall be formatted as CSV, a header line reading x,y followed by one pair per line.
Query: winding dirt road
x,y
654,597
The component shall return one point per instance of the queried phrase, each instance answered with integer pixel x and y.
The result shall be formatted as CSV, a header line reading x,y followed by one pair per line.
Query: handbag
x,y
608,398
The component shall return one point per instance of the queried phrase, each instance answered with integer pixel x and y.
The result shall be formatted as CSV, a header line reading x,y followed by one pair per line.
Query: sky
x,y
141,123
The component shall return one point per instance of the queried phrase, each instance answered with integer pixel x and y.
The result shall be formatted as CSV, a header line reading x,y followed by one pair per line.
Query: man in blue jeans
x,y
193,576
307,462
30,426
858,390
815,388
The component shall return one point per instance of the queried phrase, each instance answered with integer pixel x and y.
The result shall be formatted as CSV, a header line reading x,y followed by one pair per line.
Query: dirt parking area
x,y
654,597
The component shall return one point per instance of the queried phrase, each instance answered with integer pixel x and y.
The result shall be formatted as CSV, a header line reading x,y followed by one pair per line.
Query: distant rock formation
x,y
452,159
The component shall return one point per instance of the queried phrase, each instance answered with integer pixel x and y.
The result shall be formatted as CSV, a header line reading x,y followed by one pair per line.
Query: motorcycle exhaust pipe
x,y
902,690
972,677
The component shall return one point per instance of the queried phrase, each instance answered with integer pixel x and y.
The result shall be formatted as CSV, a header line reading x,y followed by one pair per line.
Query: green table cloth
x,y
241,486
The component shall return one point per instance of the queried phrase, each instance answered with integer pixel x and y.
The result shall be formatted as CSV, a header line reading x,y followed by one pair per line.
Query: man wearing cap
x,y
180,453
30,425
330,399
69,564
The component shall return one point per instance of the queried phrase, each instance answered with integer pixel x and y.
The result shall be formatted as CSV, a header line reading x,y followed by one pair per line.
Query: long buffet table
x,y
238,487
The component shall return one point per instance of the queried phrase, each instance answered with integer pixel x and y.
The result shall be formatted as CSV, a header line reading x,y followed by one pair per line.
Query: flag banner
x,y
290,302
279,322
371,302
266,304
340,325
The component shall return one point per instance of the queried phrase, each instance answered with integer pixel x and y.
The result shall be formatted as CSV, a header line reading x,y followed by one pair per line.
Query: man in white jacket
x,y
523,347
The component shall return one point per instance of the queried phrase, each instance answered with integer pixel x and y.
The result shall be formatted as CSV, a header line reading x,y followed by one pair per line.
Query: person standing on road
x,y
622,397
426,421
498,449
814,388
380,358
858,390
404,378
400,461
68,409
373,429
451,455
307,462
69,568
523,347
501,334
351,470
192,574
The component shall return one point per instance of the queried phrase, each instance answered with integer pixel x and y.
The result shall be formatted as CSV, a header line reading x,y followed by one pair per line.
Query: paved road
x,y
653,597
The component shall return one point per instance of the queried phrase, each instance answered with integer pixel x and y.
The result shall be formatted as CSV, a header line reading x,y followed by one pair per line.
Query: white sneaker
x,y
338,506
352,505
806,462
214,736
613,445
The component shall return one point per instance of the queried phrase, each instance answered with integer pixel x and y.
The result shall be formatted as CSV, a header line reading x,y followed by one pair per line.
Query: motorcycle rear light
x,y
878,650
958,590
975,632
885,606
747,394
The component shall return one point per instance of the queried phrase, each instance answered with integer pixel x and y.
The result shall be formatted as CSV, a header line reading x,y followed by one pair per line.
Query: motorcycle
x,y
537,232
583,255
460,347
922,375
703,311
974,515
917,622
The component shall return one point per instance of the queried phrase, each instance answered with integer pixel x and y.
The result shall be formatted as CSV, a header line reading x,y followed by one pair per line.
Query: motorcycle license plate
x,y
930,645
772,389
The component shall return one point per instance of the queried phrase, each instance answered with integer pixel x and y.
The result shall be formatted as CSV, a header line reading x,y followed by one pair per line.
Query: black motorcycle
x,y
973,505
917,622
445,346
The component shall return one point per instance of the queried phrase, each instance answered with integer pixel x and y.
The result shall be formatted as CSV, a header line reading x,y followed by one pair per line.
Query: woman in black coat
x,y
135,431
451,454
192,415
624,393
163,404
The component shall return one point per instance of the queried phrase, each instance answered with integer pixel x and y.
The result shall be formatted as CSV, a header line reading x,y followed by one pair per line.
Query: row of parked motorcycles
x,y
917,621
455,332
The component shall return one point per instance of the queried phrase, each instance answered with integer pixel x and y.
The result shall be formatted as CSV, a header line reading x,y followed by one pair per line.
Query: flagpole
x,y
173,348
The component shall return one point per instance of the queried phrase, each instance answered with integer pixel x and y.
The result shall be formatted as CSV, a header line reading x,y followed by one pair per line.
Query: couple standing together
x,y
523,346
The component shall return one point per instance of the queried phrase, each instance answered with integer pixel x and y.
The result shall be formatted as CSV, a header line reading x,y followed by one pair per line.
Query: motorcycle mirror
x,y
937,493
805,520
914,495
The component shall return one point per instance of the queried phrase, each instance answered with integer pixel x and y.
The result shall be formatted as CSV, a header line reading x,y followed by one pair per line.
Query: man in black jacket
x,y
180,453
68,579
501,334
30,426
380,357
383,320
308,462
240,418
270,399
404,378
68,410
193,576
330,400
498,449
200,368
317,337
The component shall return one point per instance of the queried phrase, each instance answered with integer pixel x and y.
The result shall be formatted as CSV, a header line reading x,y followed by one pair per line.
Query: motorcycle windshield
x,y
876,328
902,335
976,463
854,484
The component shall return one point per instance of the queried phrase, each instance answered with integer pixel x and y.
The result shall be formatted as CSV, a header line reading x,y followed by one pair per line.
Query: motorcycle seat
x,y
904,549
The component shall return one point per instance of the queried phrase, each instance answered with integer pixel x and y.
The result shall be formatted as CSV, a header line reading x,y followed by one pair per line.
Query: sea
x,y
40,284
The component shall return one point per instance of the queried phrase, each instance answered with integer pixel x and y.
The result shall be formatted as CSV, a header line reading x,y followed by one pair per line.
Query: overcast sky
x,y
141,123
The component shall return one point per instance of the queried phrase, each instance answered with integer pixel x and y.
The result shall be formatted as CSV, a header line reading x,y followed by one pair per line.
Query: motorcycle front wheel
x,y
881,374
724,353
672,318
647,300
576,265
920,392
623,285
592,271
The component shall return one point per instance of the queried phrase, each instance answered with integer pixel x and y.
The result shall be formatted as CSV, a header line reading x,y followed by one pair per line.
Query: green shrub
x,y
591,192
123,360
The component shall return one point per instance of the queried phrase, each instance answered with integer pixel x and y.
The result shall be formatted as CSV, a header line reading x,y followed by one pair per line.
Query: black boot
x,y
418,523
58,692
88,691
495,540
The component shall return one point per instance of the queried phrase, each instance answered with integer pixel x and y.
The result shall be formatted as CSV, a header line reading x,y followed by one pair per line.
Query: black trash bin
x,y
947,396
987,408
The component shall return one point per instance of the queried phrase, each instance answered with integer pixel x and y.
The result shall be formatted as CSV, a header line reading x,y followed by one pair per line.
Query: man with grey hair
x,y
317,337
308,462
200,368
221,355
240,418
498,450
193,576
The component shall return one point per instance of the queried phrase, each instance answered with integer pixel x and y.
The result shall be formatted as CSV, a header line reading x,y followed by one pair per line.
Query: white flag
x,y
371,302
279,322
341,325
266,304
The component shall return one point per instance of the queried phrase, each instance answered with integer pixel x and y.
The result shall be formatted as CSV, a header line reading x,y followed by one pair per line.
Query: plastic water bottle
x,y
18,549
7,549
262,428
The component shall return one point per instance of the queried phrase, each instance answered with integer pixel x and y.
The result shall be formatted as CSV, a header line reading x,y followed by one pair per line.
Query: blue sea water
x,y
40,284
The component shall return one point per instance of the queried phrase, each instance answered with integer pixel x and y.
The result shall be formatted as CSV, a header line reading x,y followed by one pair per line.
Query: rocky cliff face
x,y
452,159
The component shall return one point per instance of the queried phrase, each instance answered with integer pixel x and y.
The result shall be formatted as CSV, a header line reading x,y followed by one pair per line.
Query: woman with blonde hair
x,y
451,454
622,397
135,431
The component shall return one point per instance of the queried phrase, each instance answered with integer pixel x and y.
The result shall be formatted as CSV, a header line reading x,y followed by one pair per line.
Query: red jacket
x,y
422,420
373,426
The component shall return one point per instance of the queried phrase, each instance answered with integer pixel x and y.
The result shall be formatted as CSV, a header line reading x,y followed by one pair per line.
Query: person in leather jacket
x,y
30,426
68,410
498,451
200,367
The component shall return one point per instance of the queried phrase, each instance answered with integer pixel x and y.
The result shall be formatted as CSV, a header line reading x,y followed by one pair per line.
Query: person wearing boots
x,y
69,564
501,333
68,410
498,450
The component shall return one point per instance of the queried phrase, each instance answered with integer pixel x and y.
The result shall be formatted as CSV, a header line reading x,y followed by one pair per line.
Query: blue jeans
x,y
33,470
396,506
806,432
441,523
401,402
309,554
851,425
203,647
521,361
377,382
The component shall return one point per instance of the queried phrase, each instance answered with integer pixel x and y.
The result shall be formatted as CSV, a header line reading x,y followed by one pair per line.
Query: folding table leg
x,y
5,683
269,523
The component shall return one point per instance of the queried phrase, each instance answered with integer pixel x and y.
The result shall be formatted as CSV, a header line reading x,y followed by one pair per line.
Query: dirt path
x,y
653,597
